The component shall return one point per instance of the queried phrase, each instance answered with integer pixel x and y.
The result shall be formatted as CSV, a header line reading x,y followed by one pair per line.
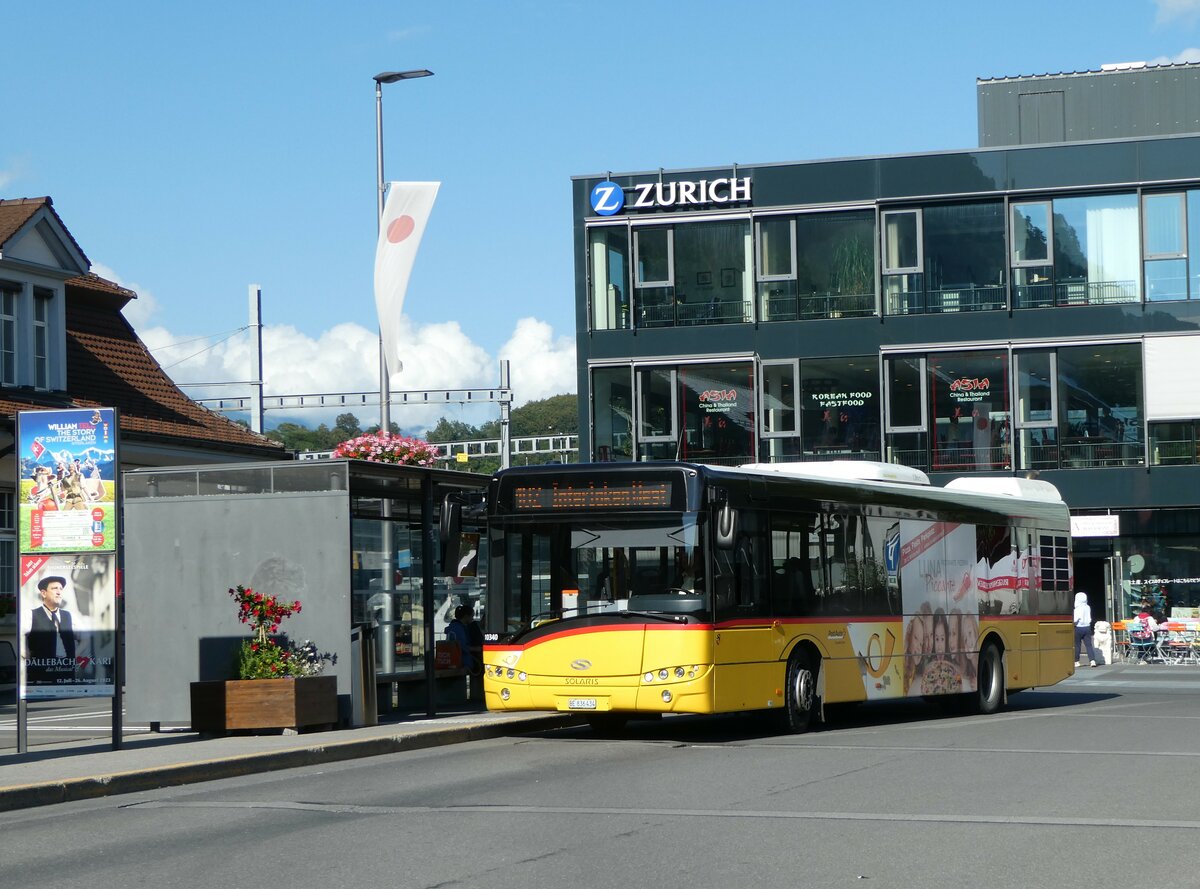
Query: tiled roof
x,y
109,366
15,212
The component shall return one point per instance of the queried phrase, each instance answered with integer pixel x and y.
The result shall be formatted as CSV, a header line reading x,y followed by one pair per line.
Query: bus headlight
x,y
511,673
666,696
649,677
679,672
663,674
504,694
521,677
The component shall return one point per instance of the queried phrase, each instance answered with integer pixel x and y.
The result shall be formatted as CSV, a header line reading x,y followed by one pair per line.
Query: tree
x,y
346,425
453,430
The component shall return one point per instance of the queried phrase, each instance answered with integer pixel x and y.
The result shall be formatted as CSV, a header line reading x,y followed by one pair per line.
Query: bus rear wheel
x,y
800,694
989,693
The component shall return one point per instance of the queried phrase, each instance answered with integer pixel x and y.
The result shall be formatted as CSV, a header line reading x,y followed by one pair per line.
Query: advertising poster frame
x,y
67,486
74,656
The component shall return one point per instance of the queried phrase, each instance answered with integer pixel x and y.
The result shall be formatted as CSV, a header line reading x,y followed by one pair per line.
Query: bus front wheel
x,y
990,690
800,694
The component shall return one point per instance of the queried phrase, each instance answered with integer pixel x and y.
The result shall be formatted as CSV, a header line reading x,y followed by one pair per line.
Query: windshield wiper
x,y
668,618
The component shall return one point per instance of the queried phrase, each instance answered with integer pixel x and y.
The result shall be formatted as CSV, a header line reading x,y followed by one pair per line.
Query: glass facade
x,y
969,410
1065,250
1031,282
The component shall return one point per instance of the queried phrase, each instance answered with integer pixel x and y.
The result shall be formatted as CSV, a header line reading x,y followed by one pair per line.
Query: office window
x,y
713,272
653,250
9,294
964,257
836,268
1173,444
776,246
612,414
656,413
1193,245
1164,246
1101,407
969,407
716,413
1036,411
1096,250
839,400
901,241
609,246
1032,244
779,399
41,337
906,411
903,284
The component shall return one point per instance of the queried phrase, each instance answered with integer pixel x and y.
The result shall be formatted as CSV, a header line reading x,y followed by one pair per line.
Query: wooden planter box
x,y
229,705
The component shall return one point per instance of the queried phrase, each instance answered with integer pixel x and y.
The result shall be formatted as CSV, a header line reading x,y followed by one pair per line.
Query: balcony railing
x,y
813,306
1074,293
683,314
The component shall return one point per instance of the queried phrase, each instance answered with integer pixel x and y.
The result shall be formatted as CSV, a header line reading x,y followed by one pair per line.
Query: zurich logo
x,y
608,198
581,664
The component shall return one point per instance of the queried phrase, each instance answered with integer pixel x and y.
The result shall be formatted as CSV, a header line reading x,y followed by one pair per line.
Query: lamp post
x,y
385,394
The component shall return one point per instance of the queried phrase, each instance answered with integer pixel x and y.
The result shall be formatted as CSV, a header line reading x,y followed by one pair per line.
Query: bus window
x,y
880,587
740,583
1054,558
795,564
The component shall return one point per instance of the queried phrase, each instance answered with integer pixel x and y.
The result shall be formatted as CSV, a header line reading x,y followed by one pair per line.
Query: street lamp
x,y
385,394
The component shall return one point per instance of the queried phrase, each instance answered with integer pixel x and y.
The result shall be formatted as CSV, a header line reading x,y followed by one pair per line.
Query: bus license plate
x,y
581,703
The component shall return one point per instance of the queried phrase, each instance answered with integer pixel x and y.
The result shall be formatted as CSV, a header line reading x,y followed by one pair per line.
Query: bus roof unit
x,y
1025,488
847,470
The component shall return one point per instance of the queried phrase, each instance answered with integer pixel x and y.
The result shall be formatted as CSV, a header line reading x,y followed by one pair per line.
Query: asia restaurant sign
x,y
967,390
608,198
718,401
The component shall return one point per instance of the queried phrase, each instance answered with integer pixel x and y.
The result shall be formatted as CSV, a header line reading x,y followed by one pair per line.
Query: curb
x,y
48,793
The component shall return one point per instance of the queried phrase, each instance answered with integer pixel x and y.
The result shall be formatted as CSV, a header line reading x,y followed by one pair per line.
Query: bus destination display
x,y
592,495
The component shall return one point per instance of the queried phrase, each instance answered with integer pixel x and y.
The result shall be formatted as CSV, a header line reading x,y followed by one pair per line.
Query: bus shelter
x,y
355,542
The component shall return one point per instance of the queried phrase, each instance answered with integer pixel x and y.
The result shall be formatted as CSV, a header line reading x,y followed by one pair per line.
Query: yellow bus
x,y
640,589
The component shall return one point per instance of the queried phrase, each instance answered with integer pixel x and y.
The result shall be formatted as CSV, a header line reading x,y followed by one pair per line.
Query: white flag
x,y
404,217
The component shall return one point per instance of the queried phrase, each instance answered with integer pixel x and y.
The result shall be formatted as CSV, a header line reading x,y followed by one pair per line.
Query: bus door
x,y
745,644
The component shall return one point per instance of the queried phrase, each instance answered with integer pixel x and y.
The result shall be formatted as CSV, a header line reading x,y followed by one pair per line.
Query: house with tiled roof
x,y
64,343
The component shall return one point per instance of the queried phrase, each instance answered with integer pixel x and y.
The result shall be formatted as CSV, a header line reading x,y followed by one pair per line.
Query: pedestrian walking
x,y
1083,629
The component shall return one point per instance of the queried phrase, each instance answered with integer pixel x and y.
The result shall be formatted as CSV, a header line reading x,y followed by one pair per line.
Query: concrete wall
x,y
182,554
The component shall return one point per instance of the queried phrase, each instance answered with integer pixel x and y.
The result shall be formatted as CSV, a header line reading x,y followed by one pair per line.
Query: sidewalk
x,y
58,773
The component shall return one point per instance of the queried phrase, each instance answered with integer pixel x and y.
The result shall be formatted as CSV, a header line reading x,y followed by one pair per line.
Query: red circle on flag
x,y
400,228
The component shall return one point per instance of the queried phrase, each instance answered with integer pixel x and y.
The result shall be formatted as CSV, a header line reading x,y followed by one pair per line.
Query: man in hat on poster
x,y
51,639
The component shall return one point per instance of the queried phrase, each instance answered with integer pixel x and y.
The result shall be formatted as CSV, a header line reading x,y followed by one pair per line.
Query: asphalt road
x,y
1092,783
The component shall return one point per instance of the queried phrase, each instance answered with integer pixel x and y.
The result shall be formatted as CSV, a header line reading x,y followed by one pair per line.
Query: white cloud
x,y
1191,54
541,365
1186,11
344,359
138,311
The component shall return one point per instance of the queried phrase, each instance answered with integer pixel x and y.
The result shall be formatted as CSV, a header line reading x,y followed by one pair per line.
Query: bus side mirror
x,y
726,531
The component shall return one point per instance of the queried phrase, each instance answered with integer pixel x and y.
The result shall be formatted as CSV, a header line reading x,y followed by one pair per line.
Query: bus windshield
x,y
569,569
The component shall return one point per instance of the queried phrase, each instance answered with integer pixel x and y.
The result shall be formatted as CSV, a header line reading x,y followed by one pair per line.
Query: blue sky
x,y
195,149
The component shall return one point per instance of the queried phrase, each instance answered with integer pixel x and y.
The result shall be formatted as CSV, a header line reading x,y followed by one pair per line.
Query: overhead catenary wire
x,y
208,348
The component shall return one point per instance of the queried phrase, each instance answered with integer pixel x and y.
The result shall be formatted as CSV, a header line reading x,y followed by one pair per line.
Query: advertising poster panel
x,y
68,468
69,625
941,607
